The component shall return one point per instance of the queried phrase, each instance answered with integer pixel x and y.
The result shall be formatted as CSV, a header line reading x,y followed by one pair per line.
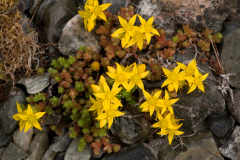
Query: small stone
x,y
74,35
5,139
234,108
73,154
60,156
38,146
33,6
140,151
49,154
9,108
44,129
2,149
115,5
23,140
35,83
62,144
12,152
131,130
230,148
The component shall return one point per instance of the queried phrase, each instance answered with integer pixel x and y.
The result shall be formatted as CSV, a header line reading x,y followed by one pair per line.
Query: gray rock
x,y
38,146
2,149
9,108
33,6
5,139
35,83
131,130
196,106
12,152
140,151
51,17
28,3
220,124
62,144
74,35
200,146
23,140
115,6
60,156
230,57
24,23
229,27
44,129
155,144
73,154
49,154
230,148
234,108
169,14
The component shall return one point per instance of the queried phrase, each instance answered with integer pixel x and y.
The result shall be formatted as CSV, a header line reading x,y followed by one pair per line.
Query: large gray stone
x,y
230,148
23,140
230,57
62,144
234,108
38,146
9,108
49,154
12,152
74,35
115,6
35,83
5,139
131,130
73,154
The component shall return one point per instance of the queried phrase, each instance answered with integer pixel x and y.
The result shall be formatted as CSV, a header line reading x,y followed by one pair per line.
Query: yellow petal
x,y
170,138
201,87
23,117
193,87
110,121
103,122
131,42
29,110
150,21
19,108
104,6
148,36
37,125
166,82
122,21
166,72
16,117
132,20
147,95
118,113
157,94
142,20
111,69
96,88
204,77
27,126
39,114
102,116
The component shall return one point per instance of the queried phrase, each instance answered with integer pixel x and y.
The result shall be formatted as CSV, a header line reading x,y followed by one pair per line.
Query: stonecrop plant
x,y
107,104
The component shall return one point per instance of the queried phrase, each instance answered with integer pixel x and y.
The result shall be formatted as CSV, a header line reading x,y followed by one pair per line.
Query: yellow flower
x,y
172,132
138,37
109,115
151,103
127,28
173,77
17,118
88,22
136,79
166,103
98,10
188,71
165,124
100,88
97,105
147,28
197,81
108,95
29,119
119,76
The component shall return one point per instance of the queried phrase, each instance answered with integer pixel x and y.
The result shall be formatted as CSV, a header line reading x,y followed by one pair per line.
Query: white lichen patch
x,y
145,7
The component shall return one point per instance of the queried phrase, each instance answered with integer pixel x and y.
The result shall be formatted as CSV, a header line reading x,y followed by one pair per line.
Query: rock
x,y
60,156
49,154
2,149
5,139
229,27
14,153
33,6
24,23
74,35
28,3
169,14
35,83
230,148
220,124
51,17
38,146
140,151
196,106
73,154
131,130
199,146
233,108
115,6
44,129
62,144
23,140
230,57
9,108
155,144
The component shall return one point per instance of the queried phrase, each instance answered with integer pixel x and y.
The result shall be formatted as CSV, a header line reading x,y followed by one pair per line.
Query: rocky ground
x,y
211,119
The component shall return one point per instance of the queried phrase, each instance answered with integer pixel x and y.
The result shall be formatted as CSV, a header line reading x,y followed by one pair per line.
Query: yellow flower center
x,y
197,81
97,10
136,78
152,101
120,78
173,77
189,71
164,124
127,27
32,119
167,103
109,96
148,28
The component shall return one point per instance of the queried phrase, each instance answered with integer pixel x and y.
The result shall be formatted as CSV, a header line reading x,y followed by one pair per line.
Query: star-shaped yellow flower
x,y
100,88
88,22
136,79
138,37
188,71
197,81
98,10
151,103
109,115
97,105
147,28
127,28
172,132
173,77
28,118
166,103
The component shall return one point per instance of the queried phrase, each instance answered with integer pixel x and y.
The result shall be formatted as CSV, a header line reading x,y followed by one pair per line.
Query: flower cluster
x,y
106,103
27,118
92,10
130,34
